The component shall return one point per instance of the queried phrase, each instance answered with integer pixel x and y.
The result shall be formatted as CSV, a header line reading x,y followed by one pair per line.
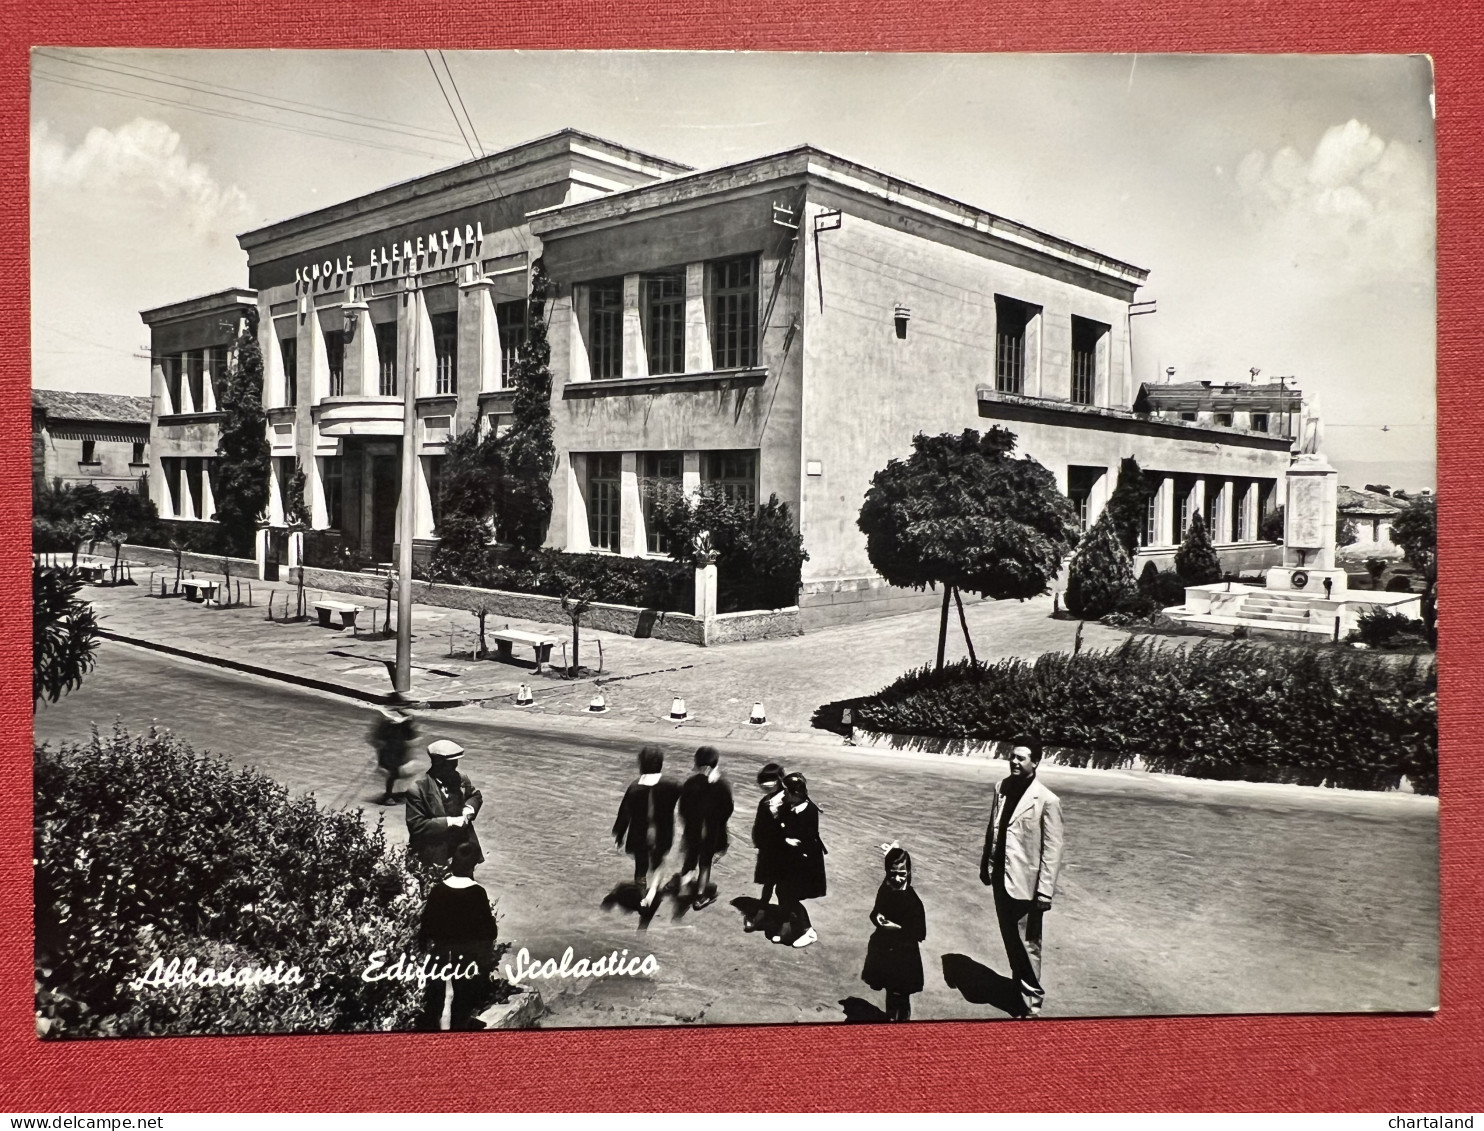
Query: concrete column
x,y
275,492
578,363
208,391
477,304
1224,504
360,351
1102,388
706,590
1033,342
577,536
208,496
187,506
319,509
268,331
422,522
635,356
424,366
697,329
1097,498
690,472
630,507
260,551
295,549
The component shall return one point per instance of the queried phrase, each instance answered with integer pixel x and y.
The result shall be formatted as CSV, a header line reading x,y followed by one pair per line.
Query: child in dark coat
x,y
645,827
705,807
801,865
458,928
767,838
893,961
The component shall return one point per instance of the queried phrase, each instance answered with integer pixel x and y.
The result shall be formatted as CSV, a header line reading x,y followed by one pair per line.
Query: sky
x,y
1285,206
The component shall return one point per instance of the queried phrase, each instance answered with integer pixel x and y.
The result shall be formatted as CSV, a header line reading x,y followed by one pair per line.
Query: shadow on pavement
x,y
859,1010
979,985
765,918
830,717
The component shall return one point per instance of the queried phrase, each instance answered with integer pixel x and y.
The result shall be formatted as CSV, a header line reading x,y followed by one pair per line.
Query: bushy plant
x,y
1379,627
529,449
1196,561
245,874
1101,577
240,484
1129,504
1230,710
472,468
639,582
64,633
1164,588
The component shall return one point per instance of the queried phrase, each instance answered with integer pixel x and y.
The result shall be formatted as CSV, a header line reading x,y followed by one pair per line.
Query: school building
x,y
783,325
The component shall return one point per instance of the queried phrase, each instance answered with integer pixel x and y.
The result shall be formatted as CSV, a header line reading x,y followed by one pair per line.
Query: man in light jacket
x,y
1022,855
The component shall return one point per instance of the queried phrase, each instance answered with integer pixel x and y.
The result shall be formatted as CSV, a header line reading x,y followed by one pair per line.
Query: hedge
x,y
197,537
1230,710
644,583
146,850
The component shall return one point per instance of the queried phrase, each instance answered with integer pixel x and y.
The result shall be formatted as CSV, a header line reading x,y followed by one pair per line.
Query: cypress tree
x,y
242,453
1129,504
527,450
1196,561
1101,576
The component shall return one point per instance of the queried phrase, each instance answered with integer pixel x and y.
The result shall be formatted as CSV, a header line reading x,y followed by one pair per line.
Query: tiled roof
x,y
1368,502
65,404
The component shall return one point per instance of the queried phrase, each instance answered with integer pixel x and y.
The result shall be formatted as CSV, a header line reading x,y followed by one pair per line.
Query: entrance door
x,y
276,552
385,488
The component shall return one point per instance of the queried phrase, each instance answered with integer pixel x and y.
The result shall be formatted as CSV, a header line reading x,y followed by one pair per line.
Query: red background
x,y
1260,1063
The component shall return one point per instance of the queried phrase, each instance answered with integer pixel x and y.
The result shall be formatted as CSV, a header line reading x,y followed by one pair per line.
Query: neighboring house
x,y
783,325
1273,409
191,346
97,438
1373,513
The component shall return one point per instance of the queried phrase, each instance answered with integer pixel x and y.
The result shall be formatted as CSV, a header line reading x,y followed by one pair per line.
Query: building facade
x,y
782,326
191,348
96,438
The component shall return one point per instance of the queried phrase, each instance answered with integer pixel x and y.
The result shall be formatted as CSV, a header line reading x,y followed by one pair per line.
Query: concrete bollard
x,y
523,696
677,708
758,716
598,704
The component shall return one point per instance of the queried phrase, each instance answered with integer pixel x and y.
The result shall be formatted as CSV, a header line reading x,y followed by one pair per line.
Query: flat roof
x,y
202,304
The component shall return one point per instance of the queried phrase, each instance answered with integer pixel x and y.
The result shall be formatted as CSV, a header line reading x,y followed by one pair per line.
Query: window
x,y
657,469
435,489
289,349
1224,419
499,423
734,312
334,477
287,466
1241,527
1259,422
1011,320
664,322
1151,517
386,354
171,366
603,506
138,455
1086,337
196,378
90,451
510,317
1080,484
1189,416
605,329
736,474
335,361
1182,510
446,352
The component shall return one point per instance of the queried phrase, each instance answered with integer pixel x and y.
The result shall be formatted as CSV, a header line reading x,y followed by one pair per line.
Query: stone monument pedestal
x,y
1311,492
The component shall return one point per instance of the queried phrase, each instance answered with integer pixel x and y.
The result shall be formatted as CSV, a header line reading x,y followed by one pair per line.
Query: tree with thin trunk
x,y
296,518
482,613
1415,530
964,512
575,603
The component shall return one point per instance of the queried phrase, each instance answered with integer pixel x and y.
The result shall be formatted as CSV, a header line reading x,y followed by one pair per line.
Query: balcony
x,y
722,380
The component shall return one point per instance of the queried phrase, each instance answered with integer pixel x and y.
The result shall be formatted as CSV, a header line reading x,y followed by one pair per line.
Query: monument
x,y
1311,493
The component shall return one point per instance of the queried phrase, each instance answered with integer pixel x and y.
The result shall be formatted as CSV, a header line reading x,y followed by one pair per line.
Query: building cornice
x,y
1011,406
195,307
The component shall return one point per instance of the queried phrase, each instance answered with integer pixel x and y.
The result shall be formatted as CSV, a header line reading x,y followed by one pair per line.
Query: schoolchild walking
x,y
893,957
802,875
645,827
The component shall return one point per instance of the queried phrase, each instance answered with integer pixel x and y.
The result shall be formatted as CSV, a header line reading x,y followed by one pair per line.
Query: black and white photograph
x,y
561,539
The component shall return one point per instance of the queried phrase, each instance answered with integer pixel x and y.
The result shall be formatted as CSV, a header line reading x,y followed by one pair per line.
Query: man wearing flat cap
x,y
441,807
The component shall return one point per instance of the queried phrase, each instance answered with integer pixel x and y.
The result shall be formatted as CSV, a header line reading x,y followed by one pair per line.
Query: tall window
x,y
1151,510
138,455
196,378
1011,320
734,312
1080,482
289,349
510,317
334,491
335,361
1241,528
446,352
603,506
735,473
605,329
386,354
90,451
1182,510
1259,422
657,471
664,322
1086,336
171,364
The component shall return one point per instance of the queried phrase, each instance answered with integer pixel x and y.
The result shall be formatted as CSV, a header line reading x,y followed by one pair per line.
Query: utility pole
x,y
406,505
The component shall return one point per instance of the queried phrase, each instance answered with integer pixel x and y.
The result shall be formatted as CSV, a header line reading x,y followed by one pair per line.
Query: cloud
x,y
1358,205
143,164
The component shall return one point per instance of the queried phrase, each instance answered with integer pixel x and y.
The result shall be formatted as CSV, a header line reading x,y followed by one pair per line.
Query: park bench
x,y
506,638
346,610
198,590
93,572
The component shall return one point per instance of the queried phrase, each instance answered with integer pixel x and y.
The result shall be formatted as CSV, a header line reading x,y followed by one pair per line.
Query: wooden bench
x,y
200,591
506,638
346,610
93,572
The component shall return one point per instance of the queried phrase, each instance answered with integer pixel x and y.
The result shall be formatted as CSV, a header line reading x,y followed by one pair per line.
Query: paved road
x,y
1177,897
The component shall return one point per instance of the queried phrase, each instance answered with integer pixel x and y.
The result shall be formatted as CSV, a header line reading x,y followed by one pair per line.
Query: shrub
x,y
1401,583
64,633
244,874
1218,709
1100,579
1380,627
1162,588
1196,561
640,582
